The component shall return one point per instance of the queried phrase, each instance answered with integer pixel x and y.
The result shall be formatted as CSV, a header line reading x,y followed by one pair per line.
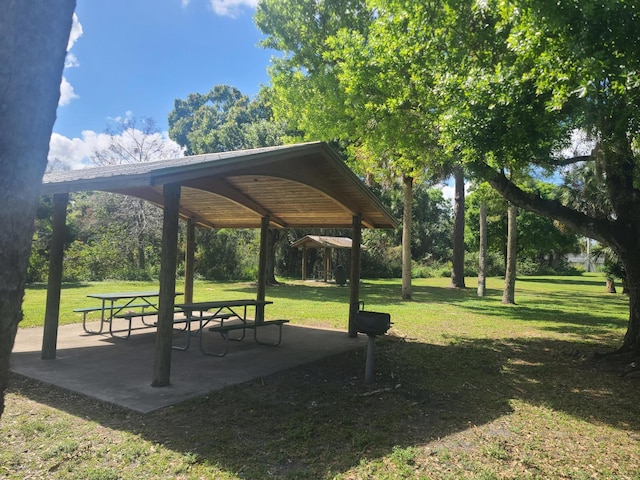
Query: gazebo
x,y
293,186
325,242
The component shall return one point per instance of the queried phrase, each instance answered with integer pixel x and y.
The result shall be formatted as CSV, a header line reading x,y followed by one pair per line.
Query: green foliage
x,y
431,222
380,259
495,264
224,120
38,268
343,77
542,243
227,254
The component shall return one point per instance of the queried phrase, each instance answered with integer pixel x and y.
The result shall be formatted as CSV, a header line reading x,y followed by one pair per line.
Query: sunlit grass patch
x,y
466,388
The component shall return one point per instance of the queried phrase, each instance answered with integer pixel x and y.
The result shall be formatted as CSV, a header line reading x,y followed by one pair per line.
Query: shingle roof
x,y
305,185
322,241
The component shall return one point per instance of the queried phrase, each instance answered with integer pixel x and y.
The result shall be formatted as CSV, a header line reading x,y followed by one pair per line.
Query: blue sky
x,y
133,58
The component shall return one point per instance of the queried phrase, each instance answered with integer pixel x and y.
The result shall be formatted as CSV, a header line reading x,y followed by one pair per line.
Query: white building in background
x,y
585,260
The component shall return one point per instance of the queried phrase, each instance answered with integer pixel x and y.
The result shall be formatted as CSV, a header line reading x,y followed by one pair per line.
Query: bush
x,y
494,267
430,270
381,262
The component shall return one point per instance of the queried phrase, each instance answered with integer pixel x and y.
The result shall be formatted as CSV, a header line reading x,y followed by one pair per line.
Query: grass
x,y
465,388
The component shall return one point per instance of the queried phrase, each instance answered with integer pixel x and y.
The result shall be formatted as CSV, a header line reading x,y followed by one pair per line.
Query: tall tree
x,y
457,272
224,119
335,83
509,292
134,140
520,78
33,41
482,251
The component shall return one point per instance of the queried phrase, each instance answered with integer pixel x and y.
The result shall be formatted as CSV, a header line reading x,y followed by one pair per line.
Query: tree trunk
x,y
406,237
141,229
274,236
611,285
32,51
622,234
630,256
482,253
457,272
142,264
508,296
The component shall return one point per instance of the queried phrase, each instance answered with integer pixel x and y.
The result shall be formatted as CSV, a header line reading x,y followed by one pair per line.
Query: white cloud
x,y
581,145
75,153
66,92
448,192
71,61
76,32
231,8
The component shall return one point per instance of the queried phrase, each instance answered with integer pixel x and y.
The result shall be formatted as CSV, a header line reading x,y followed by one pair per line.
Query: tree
x,y
509,292
542,243
482,251
225,120
457,272
33,42
342,79
134,141
520,78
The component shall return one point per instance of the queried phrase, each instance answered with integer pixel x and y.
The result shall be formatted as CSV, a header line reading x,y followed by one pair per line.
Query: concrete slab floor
x,y
120,371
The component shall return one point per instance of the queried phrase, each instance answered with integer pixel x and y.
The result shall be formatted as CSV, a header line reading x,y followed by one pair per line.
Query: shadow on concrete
x,y
120,371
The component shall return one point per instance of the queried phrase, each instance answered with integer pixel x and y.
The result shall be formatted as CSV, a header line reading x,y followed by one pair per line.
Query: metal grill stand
x,y
372,324
368,369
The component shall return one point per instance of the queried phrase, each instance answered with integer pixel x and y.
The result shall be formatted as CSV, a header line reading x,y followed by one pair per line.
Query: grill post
x,y
368,369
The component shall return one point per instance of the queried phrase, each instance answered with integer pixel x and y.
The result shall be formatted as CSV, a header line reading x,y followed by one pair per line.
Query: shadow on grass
x,y
318,420
373,293
65,285
583,281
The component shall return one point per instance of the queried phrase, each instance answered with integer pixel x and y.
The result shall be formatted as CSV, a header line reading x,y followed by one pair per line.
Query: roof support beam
x,y
166,300
354,297
224,189
54,283
189,261
262,268
306,175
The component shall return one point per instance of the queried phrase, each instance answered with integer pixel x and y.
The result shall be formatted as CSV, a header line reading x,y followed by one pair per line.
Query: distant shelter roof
x,y
297,186
320,241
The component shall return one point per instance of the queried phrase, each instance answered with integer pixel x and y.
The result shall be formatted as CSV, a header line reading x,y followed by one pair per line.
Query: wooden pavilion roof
x,y
298,186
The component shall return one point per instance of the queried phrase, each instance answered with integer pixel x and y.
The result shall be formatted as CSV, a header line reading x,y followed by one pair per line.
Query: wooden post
x,y
304,262
354,297
327,263
164,335
54,283
262,267
189,261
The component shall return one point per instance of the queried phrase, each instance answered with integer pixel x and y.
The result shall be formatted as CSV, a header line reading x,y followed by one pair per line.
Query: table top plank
x,y
121,295
222,303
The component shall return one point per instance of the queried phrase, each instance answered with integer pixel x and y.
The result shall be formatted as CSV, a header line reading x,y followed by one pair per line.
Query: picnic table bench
x,y
244,326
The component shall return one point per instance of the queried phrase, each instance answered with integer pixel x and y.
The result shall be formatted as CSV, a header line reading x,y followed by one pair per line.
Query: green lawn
x,y
465,388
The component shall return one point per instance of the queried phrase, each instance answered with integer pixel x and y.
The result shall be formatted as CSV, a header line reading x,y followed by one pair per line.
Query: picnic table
x,y
133,304
228,316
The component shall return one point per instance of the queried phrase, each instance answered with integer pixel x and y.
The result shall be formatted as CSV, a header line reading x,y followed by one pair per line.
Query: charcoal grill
x,y
371,324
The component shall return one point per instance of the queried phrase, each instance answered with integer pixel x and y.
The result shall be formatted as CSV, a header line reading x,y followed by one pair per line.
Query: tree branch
x,y
571,161
597,228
